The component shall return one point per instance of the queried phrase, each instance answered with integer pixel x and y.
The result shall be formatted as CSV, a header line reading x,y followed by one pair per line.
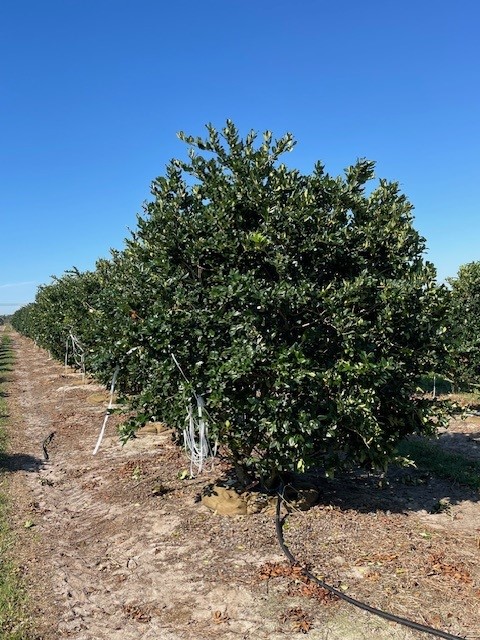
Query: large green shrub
x,y
299,306
464,326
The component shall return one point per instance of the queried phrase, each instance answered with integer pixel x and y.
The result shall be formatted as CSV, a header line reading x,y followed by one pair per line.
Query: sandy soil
x,y
120,548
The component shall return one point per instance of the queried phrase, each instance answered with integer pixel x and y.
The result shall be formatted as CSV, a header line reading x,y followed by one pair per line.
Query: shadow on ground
x,y
19,462
466,444
398,491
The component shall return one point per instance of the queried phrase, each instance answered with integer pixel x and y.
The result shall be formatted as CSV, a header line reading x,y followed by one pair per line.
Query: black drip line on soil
x,y
356,603
45,444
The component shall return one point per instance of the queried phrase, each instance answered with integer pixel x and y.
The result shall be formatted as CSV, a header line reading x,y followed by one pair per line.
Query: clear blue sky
x,y
94,91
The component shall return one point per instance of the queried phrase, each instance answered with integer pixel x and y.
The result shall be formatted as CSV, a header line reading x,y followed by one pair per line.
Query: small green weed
x,y
137,473
442,506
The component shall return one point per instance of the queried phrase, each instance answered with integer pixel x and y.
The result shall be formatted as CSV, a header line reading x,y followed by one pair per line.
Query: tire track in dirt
x,y
110,561
116,571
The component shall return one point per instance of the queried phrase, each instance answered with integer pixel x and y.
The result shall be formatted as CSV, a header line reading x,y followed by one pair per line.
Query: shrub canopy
x,y
298,306
464,326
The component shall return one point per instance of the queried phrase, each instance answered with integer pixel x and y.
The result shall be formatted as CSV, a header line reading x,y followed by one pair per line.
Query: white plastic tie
x,y
77,351
107,414
195,435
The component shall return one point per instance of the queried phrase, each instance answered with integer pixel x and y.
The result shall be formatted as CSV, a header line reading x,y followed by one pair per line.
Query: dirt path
x,y
120,549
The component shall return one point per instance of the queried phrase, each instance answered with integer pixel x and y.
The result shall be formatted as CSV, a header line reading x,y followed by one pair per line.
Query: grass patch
x,y
465,400
433,381
467,396
428,455
14,617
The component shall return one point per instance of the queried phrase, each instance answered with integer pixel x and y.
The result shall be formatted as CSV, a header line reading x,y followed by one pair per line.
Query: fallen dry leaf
x,y
300,620
219,617
136,612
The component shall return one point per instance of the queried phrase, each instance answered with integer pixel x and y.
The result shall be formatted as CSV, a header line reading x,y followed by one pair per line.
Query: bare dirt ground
x,y
116,546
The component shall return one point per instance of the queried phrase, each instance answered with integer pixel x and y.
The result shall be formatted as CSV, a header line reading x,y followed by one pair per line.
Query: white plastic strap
x,y
77,352
110,405
195,437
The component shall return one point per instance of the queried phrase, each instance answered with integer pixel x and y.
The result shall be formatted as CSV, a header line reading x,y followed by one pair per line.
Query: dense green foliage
x,y
464,326
299,306
61,308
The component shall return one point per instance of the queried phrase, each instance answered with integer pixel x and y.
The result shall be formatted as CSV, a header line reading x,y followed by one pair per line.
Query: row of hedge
x,y
299,306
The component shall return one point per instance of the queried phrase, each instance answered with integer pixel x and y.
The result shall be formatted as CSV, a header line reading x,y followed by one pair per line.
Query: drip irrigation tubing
x,y
356,603
45,444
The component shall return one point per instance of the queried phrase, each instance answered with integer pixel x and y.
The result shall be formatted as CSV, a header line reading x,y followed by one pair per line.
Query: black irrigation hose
x,y
356,603
45,444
